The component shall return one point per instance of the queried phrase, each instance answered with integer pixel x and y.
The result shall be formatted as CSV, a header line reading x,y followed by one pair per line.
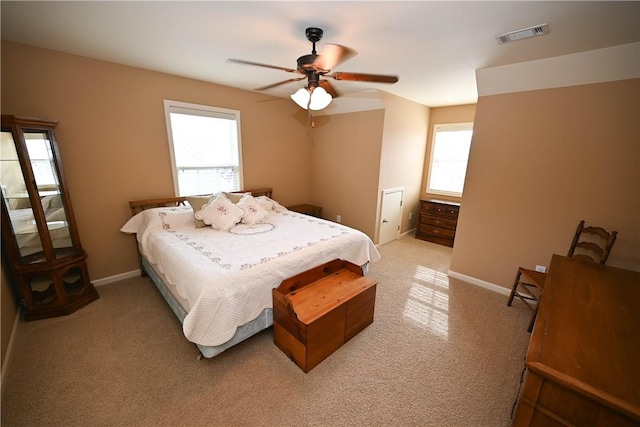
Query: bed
x,y
218,280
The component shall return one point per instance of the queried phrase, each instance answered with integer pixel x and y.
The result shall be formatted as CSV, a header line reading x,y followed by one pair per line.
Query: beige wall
x,y
444,115
403,150
346,160
113,141
540,162
358,155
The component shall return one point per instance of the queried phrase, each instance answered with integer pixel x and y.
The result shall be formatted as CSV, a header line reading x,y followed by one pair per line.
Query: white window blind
x,y
449,158
205,148
40,155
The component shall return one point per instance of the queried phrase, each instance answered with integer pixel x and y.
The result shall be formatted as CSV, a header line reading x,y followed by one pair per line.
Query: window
x,y
40,155
449,157
205,148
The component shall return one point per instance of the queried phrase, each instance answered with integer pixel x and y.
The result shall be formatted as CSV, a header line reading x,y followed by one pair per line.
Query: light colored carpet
x,y
440,352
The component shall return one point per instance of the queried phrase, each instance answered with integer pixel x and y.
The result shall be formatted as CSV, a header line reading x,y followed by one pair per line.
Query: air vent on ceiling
x,y
525,33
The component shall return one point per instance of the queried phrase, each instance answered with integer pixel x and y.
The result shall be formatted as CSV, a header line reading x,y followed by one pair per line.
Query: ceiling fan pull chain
x,y
310,118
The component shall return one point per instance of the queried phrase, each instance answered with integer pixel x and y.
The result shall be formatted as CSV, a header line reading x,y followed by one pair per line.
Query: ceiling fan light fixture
x,y
301,97
315,99
319,99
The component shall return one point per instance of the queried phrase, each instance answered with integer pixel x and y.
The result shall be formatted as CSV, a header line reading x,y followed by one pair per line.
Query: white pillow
x,y
197,202
253,212
265,202
270,204
168,218
220,213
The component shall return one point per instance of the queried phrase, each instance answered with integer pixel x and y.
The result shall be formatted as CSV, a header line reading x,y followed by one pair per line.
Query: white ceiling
x,y
434,47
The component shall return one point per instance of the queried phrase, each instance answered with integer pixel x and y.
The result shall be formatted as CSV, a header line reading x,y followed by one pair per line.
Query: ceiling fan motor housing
x,y
305,62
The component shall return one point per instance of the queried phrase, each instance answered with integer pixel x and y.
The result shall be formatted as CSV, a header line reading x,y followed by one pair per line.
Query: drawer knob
x,y
436,231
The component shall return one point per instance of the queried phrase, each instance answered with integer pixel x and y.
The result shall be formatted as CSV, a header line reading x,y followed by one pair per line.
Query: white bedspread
x,y
227,276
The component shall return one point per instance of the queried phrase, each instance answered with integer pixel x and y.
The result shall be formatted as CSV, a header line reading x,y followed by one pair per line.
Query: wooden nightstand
x,y
307,209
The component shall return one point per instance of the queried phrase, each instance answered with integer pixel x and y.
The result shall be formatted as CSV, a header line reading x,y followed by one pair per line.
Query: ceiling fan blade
x,y
242,61
333,55
280,83
359,77
324,84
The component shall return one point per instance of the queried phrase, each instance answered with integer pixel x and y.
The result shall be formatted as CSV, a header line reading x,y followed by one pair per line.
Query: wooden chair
x,y
592,244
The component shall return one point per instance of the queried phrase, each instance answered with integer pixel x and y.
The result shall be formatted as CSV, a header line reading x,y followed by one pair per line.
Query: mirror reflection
x,y
16,198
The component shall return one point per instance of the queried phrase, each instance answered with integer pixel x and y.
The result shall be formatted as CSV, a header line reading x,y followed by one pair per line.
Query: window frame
x,y
438,127
171,106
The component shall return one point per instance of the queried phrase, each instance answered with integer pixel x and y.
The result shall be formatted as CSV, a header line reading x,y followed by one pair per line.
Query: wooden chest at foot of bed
x,y
317,311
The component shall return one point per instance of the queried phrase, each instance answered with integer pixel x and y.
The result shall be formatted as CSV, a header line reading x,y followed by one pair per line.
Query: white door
x,y
391,216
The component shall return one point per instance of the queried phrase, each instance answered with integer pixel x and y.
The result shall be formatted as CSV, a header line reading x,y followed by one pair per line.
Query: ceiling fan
x,y
316,68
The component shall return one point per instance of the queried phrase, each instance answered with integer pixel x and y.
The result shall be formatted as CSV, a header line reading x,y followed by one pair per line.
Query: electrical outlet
x,y
410,215
338,218
541,269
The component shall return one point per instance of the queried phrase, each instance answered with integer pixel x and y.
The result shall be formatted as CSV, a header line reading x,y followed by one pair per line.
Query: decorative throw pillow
x,y
220,213
270,204
253,212
278,207
265,202
197,202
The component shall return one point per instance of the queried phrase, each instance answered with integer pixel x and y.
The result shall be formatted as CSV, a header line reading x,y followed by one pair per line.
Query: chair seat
x,y
526,280
535,277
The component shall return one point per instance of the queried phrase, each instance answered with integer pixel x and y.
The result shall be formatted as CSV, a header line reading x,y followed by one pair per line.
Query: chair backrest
x,y
592,243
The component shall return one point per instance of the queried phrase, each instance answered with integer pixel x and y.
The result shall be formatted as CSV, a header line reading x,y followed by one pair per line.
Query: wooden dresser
x,y
438,221
583,362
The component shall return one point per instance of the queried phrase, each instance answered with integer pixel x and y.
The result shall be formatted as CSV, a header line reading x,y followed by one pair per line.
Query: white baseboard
x,y
116,278
7,355
406,233
487,285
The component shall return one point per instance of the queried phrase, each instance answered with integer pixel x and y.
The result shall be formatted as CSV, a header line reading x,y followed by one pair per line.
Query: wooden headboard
x,y
140,205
